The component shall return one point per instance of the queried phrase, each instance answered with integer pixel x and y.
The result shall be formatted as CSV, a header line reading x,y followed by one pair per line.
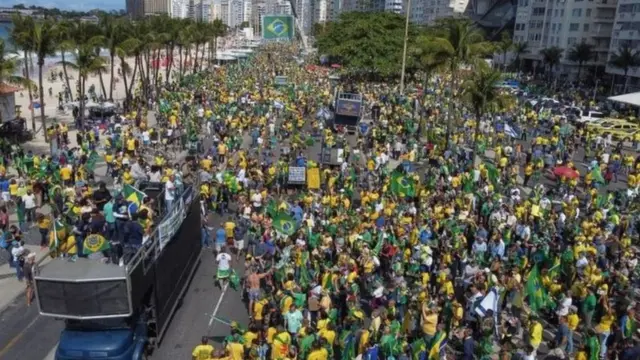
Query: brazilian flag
x,y
133,195
534,290
284,224
402,185
57,235
95,243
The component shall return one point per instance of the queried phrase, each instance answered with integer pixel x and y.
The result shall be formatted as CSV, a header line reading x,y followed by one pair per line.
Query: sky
x,y
77,5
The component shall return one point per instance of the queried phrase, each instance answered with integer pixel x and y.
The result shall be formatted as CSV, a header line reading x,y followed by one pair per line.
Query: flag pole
x,y
404,51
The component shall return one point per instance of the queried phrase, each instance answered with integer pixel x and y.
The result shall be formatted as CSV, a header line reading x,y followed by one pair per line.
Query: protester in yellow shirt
x,y
204,351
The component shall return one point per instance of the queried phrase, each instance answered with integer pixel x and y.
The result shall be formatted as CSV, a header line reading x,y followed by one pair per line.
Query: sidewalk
x,y
9,284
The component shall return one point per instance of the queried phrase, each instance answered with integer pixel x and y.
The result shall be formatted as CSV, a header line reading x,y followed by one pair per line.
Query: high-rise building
x,y
179,9
135,8
224,11
626,32
236,13
563,24
426,12
246,11
156,7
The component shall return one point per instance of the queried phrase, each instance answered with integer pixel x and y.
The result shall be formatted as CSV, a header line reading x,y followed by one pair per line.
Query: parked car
x,y
618,128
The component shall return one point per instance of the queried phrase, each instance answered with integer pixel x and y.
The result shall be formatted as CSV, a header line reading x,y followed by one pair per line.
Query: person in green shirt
x,y
20,213
589,308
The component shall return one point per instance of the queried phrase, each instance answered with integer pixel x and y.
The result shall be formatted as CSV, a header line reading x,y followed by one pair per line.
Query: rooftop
x,y
8,89
81,270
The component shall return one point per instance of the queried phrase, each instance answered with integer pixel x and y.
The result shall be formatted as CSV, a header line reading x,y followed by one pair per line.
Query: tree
x,y
551,56
504,46
218,29
624,59
581,53
111,36
9,65
482,91
22,37
65,42
520,49
86,62
461,43
44,44
366,43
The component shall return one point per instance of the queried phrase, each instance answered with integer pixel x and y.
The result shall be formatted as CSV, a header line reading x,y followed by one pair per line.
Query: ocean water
x,y
5,30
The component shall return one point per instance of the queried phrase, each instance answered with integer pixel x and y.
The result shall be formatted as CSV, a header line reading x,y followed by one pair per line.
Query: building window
x,y
555,13
574,27
586,27
588,14
576,12
553,27
571,41
562,12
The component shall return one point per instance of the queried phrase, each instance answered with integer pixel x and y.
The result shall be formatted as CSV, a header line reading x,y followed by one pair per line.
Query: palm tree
x,y
44,42
581,53
218,30
520,49
625,58
86,62
9,66
482,91
504,46
110,27
460,42
65,41
551,56
22,37
426,58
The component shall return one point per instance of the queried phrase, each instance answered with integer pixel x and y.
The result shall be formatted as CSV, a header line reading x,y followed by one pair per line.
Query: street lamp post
x,y
404,51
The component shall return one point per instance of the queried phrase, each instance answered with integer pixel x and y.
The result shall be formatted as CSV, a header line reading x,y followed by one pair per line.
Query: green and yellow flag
x,y
535,291
402,185
132,194
95,243
284,224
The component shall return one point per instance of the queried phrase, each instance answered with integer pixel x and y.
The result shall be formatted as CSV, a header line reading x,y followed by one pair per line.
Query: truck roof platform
x,y
82,270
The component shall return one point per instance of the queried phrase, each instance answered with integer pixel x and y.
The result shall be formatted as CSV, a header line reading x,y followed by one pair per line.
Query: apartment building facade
x,y
564,24
626,31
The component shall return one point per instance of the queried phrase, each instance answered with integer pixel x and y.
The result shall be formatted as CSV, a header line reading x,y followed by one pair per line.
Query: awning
x,y
630,98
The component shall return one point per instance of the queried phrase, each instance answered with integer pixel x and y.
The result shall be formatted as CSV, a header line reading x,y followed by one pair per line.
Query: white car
x,y
589,117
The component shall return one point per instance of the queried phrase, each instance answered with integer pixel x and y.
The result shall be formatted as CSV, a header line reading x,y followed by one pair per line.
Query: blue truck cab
x,y
116,312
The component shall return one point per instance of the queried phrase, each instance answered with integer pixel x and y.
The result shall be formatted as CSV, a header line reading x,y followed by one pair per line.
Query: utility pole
x,y
404,51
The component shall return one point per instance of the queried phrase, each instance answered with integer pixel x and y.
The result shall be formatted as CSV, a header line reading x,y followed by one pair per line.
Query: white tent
x,y
630,98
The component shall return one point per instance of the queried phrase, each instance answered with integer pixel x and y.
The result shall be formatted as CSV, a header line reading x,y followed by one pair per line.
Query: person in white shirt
x,y
256,199
29,200
224,266
16,251
146,137
169,192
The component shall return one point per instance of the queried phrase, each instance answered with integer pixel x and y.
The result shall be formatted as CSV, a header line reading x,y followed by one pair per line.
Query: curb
x,y
38,262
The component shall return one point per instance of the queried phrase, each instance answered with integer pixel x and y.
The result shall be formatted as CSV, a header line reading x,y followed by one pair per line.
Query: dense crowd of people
x,y
411,247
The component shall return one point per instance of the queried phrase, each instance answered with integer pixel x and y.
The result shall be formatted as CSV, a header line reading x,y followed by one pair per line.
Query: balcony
x,y
604,18
602,32
606,4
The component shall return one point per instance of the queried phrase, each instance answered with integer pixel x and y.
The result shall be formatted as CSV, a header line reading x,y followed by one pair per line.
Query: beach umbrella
x,y
565,171
35,105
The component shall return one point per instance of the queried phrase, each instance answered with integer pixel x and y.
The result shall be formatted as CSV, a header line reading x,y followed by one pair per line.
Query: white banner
x,y
171,223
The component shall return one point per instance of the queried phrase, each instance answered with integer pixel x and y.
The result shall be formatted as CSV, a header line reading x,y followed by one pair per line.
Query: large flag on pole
x,y
132,194
534,290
